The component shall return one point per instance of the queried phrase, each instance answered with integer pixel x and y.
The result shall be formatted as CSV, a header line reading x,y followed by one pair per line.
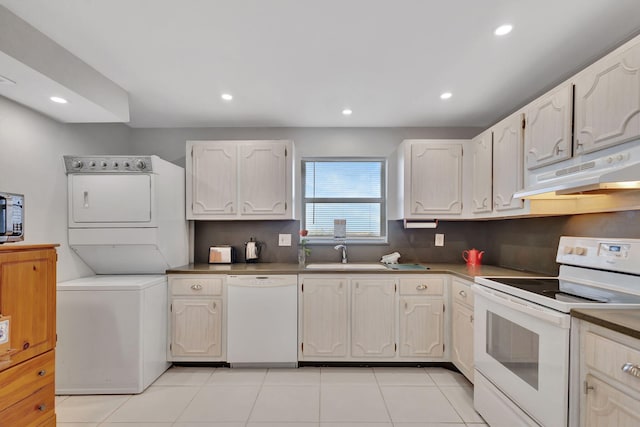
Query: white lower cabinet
x,y
323,317
362,317
462,326
373,318
196,321
422,317
609,394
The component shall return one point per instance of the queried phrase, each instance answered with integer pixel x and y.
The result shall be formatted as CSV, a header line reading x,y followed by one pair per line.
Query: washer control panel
x,y
113,164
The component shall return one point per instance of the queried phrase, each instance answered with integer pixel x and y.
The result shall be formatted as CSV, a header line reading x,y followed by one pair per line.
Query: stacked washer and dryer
x,y
127,222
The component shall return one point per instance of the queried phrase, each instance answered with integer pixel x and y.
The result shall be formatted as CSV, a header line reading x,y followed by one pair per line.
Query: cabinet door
x,y
196,327
507,163
435,179
211,180
373,318
28,295
263,179
606,406
324,317
607,101
547,135
482,152
462,339
421,327
99,198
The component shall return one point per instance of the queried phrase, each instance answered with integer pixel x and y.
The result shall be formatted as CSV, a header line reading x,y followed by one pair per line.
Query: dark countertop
x,y
461,270
625,321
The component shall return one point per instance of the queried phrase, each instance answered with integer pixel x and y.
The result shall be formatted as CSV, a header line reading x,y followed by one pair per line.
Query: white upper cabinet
x,y
607,100
212,187
547,136
263,179
508,162
482,173
432,178
239,180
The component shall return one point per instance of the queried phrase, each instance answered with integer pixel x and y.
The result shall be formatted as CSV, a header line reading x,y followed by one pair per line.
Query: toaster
x,y
221,255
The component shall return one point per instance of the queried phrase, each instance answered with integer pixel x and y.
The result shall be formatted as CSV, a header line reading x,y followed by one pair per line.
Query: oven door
x,y
523,349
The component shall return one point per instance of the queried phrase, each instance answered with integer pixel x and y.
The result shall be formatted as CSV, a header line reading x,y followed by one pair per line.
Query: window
x,y
351,189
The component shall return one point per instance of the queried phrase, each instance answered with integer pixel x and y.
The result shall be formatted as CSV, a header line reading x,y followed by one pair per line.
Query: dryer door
x,y
110,199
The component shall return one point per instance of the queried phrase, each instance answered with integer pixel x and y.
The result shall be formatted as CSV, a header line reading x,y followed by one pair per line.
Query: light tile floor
x,y
305,397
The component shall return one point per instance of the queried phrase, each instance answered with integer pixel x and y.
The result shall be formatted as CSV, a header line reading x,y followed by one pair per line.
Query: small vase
x,y
302,257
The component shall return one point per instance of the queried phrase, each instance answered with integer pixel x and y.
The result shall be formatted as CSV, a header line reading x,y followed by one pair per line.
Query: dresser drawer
x,y
31,411
461,292
422,285
608,357
195,285
21,380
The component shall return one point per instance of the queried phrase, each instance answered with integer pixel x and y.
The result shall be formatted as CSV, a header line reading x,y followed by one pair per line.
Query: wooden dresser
x,y
28,296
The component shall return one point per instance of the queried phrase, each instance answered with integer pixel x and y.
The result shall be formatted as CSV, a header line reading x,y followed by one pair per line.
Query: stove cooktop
x,y
558,293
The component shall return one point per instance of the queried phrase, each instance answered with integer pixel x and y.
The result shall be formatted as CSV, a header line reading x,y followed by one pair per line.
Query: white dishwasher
x,y
262,321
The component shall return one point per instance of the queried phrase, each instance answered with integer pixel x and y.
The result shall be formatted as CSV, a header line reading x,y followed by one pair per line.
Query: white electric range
x,y
522,328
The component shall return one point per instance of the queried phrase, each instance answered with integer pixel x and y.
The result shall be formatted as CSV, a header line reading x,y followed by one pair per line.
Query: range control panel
x,y
113,164
620,255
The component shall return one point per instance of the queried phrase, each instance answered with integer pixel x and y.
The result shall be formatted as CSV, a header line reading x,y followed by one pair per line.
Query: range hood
x,y
604,175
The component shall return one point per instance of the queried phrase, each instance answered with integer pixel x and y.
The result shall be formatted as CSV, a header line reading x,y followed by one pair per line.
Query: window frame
x,y
383,238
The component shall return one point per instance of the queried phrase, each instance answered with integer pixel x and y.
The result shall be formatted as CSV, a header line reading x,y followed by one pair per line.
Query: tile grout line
x,y
386,406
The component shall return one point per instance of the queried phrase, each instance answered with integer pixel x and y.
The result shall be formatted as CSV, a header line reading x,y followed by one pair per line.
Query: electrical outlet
x,y
284,240
439,239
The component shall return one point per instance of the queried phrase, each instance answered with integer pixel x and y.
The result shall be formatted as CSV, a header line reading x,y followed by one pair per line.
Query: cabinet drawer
x,y
21,380
33,410
196,285
461,292
608,357
422,286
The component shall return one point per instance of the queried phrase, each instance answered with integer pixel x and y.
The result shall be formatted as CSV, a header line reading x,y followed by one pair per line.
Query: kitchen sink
x,y
347,266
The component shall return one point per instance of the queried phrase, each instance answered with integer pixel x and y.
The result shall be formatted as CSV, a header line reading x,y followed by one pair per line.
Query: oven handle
x,y
550,316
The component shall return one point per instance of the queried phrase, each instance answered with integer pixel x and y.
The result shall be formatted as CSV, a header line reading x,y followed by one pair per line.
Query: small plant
x,y
303,242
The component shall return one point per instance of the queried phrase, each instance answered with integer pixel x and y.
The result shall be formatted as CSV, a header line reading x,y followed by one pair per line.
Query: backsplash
x,y
524,244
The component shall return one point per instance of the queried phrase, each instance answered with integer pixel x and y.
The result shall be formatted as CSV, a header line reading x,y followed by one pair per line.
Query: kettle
x,y
472,256
251,250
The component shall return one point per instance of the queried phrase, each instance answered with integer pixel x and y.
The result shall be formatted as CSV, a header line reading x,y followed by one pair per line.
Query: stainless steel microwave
x,y
11,217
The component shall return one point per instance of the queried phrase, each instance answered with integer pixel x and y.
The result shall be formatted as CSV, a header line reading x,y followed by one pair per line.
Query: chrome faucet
x,y
344,251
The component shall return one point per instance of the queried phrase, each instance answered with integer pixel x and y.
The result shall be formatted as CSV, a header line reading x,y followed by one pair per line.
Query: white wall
x,y
31,150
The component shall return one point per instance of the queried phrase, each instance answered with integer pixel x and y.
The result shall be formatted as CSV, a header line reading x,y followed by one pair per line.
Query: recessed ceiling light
x,y
347,112
58,100
226,96
503,30
446,95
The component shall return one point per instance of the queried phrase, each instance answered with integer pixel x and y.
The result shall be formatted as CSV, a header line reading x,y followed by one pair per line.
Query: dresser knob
x,y
42,407
26,345
42,373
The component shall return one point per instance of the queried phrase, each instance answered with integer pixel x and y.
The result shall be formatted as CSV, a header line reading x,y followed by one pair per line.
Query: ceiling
x,y
299,63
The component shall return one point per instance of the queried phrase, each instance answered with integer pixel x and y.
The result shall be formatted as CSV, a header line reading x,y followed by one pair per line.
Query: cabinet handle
x,y
463,294
471,318
214,305
631,369
42,373
421,287
588,387
26,345
558,150
340,286
42,407
196,287
406,306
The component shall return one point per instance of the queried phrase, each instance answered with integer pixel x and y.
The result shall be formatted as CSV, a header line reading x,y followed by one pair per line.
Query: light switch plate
x,y
439,239
284,240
